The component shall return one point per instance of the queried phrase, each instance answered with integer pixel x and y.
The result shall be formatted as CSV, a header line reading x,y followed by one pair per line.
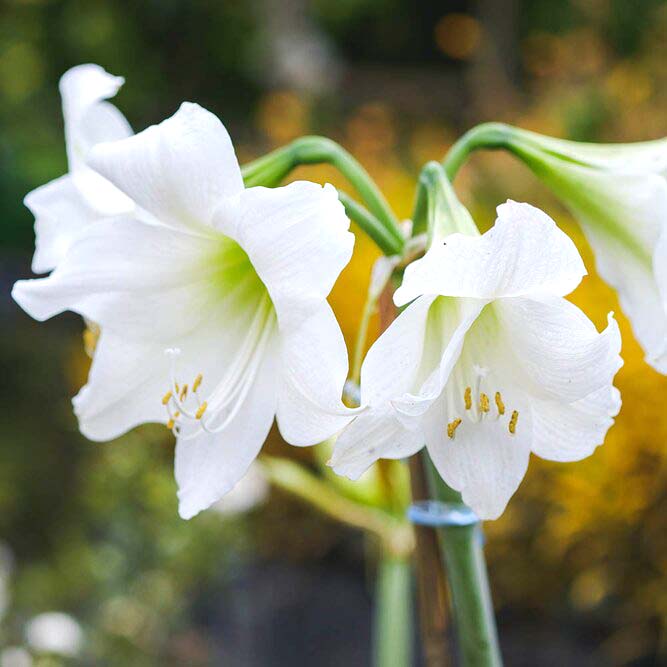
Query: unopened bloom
x,y
618,193
212,305
488,363
63,207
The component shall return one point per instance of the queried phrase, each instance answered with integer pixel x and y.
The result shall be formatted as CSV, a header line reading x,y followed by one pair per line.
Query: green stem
x,y
371,225
393,628
465,568
272,168
395,534
486,135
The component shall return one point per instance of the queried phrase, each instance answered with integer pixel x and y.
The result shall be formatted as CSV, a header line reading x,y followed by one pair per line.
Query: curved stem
x,y
371,225
486,135
272,168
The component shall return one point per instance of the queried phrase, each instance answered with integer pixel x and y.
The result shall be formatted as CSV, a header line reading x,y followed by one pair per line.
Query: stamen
x,y
467,397
177,388
197,382
513,420
483,402
452,426
184,393
171,423
166,398
201,410
499,404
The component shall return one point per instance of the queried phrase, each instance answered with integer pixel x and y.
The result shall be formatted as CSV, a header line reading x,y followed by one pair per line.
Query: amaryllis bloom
x,y
488,363
619,195
212,304
68,204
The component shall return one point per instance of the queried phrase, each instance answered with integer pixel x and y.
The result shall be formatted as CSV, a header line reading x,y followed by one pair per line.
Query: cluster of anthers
x,y
177,400
476,412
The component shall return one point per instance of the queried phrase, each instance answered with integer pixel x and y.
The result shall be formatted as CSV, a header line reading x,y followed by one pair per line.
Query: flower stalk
x,y
272,168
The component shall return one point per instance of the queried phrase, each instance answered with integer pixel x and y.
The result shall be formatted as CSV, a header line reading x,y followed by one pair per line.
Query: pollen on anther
x,y
166,398
170,424
513,420
184,392
201,410
197,382
467,397
484,402
452,426
499,404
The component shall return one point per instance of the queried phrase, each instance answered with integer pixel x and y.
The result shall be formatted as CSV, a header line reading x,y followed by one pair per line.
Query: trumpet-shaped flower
x,y
212,305
63,207
618,193
487,363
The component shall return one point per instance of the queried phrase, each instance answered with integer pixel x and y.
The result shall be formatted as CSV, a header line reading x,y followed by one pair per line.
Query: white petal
x,y
148,282
60,214
571,432
554,350
126,383
313,372
210,465
297,239
523,253
88,119
449,321
641,284
374,434
483,461
177,170
391,365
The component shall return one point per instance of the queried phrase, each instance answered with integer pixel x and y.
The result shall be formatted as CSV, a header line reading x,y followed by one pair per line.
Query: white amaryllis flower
x,y
211,301
619,195
68,204
487,363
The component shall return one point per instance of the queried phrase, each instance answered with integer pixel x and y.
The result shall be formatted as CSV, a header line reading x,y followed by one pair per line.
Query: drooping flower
x,y
618,193
63,207
488,362
212,305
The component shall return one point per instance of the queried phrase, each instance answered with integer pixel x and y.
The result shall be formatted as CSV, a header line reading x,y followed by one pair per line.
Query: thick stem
x,y
272,168
393,628
463,556
486,135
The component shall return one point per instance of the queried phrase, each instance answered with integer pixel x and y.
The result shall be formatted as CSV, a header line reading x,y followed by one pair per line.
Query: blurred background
x,y
578,562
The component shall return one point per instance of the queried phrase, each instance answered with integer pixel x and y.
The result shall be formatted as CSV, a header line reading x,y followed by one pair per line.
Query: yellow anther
x,y
452,426
177,388
483,402
513,420
467,397
197,382
166,398
201,410
184,392
499,404
170,424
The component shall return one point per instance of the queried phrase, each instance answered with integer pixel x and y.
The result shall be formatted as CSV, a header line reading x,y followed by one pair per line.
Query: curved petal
x,y
88,119
209,466
551,349
126,383
297,239
571,432
485,463
146,281
374,434
60,214
177,170
523,253
393,362
449,321
312,374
